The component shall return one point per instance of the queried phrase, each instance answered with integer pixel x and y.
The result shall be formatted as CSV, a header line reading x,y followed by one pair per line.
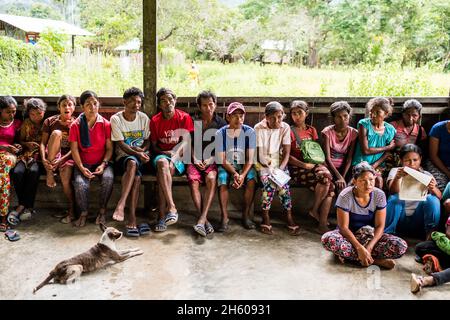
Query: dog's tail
x,y
45,282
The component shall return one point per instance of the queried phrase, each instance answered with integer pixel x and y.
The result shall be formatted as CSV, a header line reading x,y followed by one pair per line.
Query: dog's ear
x,y
103,227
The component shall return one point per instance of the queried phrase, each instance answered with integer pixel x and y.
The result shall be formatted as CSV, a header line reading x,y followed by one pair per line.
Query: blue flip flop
x,y
132,232
200,229
144,229
171,218
12,235
13,218
209,228
161,226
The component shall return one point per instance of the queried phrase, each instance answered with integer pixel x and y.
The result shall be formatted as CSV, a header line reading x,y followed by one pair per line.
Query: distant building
x,y
28,29
277,51
132,45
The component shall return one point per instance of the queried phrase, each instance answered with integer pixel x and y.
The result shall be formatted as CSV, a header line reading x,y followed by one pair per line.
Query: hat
x,y
235,106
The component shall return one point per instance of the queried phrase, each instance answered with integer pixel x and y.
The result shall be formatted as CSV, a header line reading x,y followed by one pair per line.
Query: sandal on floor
x,y
27,214
132,232
266,229
161,226
248,224
12,235
144,229
171,218
209,228
294,230
13,218
416,283
431,264
224,227
200,229
4,227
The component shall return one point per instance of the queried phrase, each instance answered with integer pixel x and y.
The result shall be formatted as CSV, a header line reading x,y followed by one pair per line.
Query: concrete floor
x,y
180,265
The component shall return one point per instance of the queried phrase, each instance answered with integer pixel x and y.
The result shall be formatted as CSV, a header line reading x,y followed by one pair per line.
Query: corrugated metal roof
x,y
28,24
134,44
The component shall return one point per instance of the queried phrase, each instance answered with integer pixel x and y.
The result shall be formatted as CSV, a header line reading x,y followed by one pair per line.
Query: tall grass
x,y
103,74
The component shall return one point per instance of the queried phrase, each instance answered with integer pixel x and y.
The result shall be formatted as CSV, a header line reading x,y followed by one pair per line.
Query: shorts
x,y
179,165
223,178
122,165
194,174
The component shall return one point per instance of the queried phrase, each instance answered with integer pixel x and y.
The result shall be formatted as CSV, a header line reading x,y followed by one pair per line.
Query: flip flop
x,y
13,218
209,228
224,227
12,235
200,229
4,227
171,218
132,232
248,224
161,226
27,214
431,264
416,283
294,230
266,229
144,229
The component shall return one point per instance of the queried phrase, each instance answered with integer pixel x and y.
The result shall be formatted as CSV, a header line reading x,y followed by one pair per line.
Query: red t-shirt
x,y
99,133
309,134
162,131
8,133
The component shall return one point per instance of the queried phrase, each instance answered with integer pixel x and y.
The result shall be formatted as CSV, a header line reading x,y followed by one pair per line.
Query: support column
x,y
150,46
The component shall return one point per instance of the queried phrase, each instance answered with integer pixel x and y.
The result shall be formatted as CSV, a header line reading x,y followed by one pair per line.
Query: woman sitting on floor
x,y
361,213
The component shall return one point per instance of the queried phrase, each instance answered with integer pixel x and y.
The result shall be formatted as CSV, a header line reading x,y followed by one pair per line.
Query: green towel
x,y
441,241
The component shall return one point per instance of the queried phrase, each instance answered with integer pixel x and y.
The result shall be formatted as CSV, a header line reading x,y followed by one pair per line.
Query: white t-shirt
x,y
272,140
410,206
133,133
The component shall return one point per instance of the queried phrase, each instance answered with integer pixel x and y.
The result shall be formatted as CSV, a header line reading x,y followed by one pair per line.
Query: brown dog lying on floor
x,y
103,253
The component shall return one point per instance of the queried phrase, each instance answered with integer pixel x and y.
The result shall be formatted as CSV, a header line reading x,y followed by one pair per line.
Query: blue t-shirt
x,y
439,131
375,140
361,216
235,148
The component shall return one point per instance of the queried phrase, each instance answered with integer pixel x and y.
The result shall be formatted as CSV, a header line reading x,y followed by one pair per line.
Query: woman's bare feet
x,y
314,215
101,219
51,182
67,219
384,263
119,214
81,222
321,229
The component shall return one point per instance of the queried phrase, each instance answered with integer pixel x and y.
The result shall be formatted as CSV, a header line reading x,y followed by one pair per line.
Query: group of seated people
x,y
355,168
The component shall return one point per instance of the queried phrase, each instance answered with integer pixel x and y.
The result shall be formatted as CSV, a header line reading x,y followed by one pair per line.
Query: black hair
x,y
339,106
86,95
66,97
162,92
6,101
300,104
362,167
409,148
206,94
412,103
132,92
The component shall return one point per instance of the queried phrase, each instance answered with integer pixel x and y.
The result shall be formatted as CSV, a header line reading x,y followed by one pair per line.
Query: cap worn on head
x,y
235,106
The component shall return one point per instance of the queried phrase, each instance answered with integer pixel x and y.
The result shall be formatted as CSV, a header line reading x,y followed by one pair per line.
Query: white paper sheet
x,y
414,186
279,177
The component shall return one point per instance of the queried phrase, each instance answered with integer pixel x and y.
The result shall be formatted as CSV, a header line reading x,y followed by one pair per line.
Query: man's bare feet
x,y
101,219
81,222
51,182
384,263
119,214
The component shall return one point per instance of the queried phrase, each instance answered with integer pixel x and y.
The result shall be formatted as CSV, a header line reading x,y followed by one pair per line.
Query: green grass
x,y
102,74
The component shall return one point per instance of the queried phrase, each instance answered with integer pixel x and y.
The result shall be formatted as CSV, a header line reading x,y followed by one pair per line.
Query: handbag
x,y
311,150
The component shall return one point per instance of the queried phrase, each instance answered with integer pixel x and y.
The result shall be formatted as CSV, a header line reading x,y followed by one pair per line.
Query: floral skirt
x,y
309,178
7,162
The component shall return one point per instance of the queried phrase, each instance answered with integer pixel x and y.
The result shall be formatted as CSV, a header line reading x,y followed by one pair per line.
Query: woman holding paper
x,y
412,217
273,142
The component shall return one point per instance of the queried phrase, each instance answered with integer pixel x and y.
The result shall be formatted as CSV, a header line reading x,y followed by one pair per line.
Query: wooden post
x,y
150,56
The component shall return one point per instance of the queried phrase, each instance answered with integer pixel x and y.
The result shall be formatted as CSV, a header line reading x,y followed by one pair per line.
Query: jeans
x,y
81,186
26,183
425,218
